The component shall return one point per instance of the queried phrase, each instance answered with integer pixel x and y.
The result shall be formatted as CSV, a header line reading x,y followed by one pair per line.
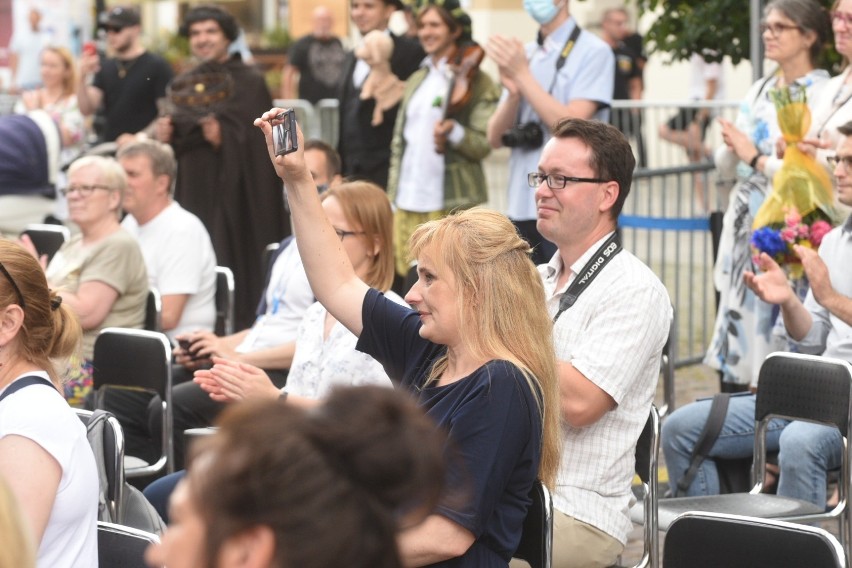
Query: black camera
x,y
528,135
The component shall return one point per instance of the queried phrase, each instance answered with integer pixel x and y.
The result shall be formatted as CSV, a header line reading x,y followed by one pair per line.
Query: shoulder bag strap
x,y
25,382
708,437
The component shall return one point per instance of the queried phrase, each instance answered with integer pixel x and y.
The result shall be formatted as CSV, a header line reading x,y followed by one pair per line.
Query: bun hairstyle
x,y
367,462
50,329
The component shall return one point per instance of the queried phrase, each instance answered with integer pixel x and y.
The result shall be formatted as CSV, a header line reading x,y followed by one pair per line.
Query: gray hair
x,y
160,156
808,14
110,173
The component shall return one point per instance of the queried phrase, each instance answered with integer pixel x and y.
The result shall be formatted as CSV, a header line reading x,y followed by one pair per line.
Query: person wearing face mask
x,y
567,72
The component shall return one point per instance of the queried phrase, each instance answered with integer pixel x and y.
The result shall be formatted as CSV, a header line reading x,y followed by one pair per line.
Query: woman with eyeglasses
x,y
100,273
322,357
45,457
832,107
473,352
794,32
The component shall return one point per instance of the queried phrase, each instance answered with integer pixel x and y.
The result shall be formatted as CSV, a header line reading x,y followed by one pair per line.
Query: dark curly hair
x,y
226,21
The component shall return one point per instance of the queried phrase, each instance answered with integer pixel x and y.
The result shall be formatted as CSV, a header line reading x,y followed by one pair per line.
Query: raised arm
x,y
88,97
326,263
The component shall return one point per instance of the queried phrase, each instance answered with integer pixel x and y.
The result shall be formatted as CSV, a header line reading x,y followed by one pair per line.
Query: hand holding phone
x,y
284,137
186,347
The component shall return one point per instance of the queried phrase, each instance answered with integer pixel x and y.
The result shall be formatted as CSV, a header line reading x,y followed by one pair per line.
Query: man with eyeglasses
x,y
819,325
126,86
612,317
566,72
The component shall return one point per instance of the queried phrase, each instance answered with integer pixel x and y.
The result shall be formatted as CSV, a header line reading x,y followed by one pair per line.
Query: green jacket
x,y
464,180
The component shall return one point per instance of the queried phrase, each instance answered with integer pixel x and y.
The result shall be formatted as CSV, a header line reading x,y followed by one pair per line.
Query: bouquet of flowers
x,y
778,240
797,209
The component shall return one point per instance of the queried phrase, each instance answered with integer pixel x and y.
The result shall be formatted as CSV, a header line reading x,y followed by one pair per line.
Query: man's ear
x,y
610,195
252,548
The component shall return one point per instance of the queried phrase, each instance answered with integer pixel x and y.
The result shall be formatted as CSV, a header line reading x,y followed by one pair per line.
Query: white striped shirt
x,y
614,335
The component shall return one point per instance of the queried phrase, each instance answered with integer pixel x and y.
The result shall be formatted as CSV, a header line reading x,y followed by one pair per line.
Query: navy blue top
x,y
493,422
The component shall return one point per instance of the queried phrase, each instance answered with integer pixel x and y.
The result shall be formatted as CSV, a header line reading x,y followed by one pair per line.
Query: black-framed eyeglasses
x,y
14,285
343,234
557,181
777,29
835,161
113,29
83,190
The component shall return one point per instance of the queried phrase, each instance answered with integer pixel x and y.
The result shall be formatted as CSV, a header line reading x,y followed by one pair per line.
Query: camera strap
x,y
605,253
563,55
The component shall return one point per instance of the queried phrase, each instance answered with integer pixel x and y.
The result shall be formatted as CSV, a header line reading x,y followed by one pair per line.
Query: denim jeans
x,y
806,451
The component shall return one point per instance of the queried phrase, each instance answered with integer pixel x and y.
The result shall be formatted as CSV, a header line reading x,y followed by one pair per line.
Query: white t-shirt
x,y
700,73
288,295
27,45
41,414
321,364
180,260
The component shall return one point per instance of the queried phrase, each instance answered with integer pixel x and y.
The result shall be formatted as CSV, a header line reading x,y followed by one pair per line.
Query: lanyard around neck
x,y
605,253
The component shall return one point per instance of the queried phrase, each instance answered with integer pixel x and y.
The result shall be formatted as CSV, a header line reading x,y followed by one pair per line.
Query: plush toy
x,y
381,84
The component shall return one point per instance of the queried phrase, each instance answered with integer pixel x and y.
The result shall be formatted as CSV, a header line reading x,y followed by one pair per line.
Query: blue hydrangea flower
x,y
768,240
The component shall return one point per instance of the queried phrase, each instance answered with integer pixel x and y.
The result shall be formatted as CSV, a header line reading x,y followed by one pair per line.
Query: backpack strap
x,y
25,382
706,440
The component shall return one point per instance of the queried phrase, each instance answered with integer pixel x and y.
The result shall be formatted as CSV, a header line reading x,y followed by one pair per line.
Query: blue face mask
x,y
542,11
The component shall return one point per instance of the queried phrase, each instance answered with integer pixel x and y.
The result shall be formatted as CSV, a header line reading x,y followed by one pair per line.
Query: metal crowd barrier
x,y
663,222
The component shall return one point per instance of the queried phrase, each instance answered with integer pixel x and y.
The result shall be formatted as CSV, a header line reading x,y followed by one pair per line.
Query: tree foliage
x,y
684,27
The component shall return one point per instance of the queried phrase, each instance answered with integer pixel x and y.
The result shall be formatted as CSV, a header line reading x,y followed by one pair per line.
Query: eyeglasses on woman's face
x,y
83,190
775,29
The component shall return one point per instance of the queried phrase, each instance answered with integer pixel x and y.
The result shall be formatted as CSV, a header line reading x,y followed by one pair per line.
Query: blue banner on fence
x,y
664,223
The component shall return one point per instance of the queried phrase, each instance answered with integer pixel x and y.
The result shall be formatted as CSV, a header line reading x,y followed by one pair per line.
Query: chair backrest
x,y
122,547
224,301
106,439
47,238
647,468
267,255
711,540
805,387
667,368
154,310
136,359
536,546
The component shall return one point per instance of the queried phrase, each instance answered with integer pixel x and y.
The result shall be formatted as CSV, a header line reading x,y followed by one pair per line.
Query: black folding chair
x,y
138,360
47,238
714,540
154,310
224,301
123,547
536,546
111,453
795,387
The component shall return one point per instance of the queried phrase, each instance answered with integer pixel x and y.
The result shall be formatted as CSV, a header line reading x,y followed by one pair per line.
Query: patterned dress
x,y
743,333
